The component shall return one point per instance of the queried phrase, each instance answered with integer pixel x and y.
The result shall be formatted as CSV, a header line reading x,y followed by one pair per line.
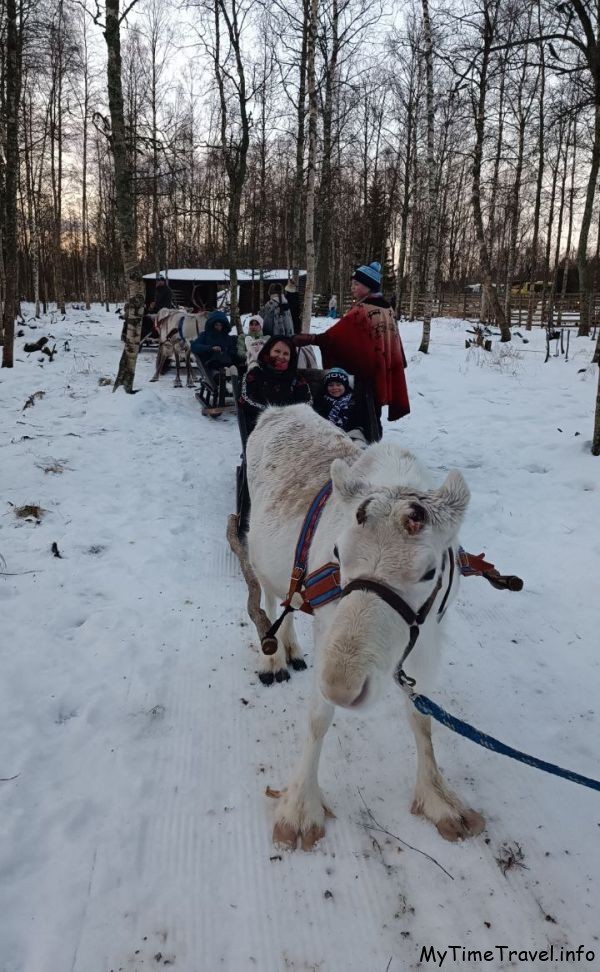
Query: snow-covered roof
x,y
220,276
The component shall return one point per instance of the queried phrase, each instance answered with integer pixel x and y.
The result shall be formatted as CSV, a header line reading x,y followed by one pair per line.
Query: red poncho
x,y
365,342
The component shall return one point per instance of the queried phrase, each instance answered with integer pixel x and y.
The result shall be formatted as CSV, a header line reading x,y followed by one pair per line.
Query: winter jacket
x,y
252,347
263,385
345,412
163,297
277,319
293,299
203,344
366,342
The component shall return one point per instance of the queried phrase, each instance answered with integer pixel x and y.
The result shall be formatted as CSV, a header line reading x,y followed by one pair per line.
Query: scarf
x,y
338,409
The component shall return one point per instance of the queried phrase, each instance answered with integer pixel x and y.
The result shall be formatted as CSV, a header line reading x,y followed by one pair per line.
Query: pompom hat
x,y
369,276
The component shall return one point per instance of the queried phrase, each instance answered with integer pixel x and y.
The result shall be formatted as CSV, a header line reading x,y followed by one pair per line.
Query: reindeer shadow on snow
x,y
395,537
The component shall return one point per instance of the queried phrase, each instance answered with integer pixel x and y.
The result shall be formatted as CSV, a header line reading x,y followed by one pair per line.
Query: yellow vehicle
x,y
524,289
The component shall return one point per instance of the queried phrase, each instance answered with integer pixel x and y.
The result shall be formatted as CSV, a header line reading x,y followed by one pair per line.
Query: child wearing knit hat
x,y
367,342
250,344
337,403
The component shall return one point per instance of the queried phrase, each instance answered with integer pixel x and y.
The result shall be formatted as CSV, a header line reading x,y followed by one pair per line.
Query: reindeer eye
x,y
428,576
336,552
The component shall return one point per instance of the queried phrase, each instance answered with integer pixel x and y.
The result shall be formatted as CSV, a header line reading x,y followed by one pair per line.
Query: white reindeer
x,y
176,329
386,524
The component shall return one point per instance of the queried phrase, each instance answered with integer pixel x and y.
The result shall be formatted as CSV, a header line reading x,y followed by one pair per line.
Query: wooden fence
x,y
562,311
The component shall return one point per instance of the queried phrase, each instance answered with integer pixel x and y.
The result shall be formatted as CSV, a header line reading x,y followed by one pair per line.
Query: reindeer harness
x,y
309,591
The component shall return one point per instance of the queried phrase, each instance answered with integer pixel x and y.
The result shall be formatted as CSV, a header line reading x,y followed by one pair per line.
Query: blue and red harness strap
x,y
307,592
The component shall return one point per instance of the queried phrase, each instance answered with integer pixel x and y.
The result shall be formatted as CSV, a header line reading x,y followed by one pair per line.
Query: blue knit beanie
x,y
369,276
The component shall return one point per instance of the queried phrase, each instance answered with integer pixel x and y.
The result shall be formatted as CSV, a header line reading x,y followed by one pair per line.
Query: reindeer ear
x,y
346,485
446,506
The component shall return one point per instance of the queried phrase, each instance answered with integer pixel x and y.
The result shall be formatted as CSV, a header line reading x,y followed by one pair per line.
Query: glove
x,y
301,339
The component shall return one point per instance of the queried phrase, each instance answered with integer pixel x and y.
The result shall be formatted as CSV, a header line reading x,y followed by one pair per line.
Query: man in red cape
x,y
366,342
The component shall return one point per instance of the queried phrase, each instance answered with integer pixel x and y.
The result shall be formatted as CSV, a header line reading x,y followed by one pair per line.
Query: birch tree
x,y
312,156
432,194
124,203
14,49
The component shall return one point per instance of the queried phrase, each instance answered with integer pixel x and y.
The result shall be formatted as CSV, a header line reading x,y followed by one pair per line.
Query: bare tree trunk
x,y
497,159
406,190
514,218
57,159
489,27
11,169
561,210
549,235
538,188
596,435
131,269
34,243
234,149
310,182
295,228
570,228
432,189
582,257
85,235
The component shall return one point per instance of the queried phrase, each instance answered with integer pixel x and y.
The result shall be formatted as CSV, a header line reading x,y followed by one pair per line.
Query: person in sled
x,y
366,342
248,345
274,380
215,347
337,404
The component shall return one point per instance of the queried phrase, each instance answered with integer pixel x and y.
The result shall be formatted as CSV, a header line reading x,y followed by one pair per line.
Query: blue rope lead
x,y
428,708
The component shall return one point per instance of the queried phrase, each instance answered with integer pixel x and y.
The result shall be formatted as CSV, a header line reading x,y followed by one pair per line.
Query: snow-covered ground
x,y
137,741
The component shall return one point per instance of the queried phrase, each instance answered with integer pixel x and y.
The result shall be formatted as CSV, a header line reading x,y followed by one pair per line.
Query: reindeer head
x,y
396,535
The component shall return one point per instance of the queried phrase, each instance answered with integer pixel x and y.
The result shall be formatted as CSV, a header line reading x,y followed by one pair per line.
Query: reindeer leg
x,y
188,366
272,668
159,364
293,651
177,382
433,799
301,811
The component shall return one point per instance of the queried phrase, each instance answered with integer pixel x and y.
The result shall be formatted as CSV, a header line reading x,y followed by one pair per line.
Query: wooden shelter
x,y
211,283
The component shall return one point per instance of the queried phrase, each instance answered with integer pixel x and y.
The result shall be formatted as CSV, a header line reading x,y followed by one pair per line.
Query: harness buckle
x,y
294,597
405,681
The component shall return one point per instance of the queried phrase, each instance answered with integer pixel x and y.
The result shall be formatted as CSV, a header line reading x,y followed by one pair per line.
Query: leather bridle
x,y
414,619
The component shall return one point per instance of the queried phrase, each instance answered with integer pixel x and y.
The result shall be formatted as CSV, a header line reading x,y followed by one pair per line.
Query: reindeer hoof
x,y
282,675
298,664
155,378
267,678
469,824
176,384
311,837
285,835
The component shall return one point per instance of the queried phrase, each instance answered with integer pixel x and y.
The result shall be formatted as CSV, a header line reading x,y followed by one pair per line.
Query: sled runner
x,y
216,388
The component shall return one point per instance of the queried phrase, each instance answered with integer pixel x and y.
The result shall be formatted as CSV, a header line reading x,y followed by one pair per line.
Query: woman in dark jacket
x,y
273,381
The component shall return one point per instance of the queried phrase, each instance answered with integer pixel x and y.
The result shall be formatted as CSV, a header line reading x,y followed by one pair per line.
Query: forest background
x,y
457,145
